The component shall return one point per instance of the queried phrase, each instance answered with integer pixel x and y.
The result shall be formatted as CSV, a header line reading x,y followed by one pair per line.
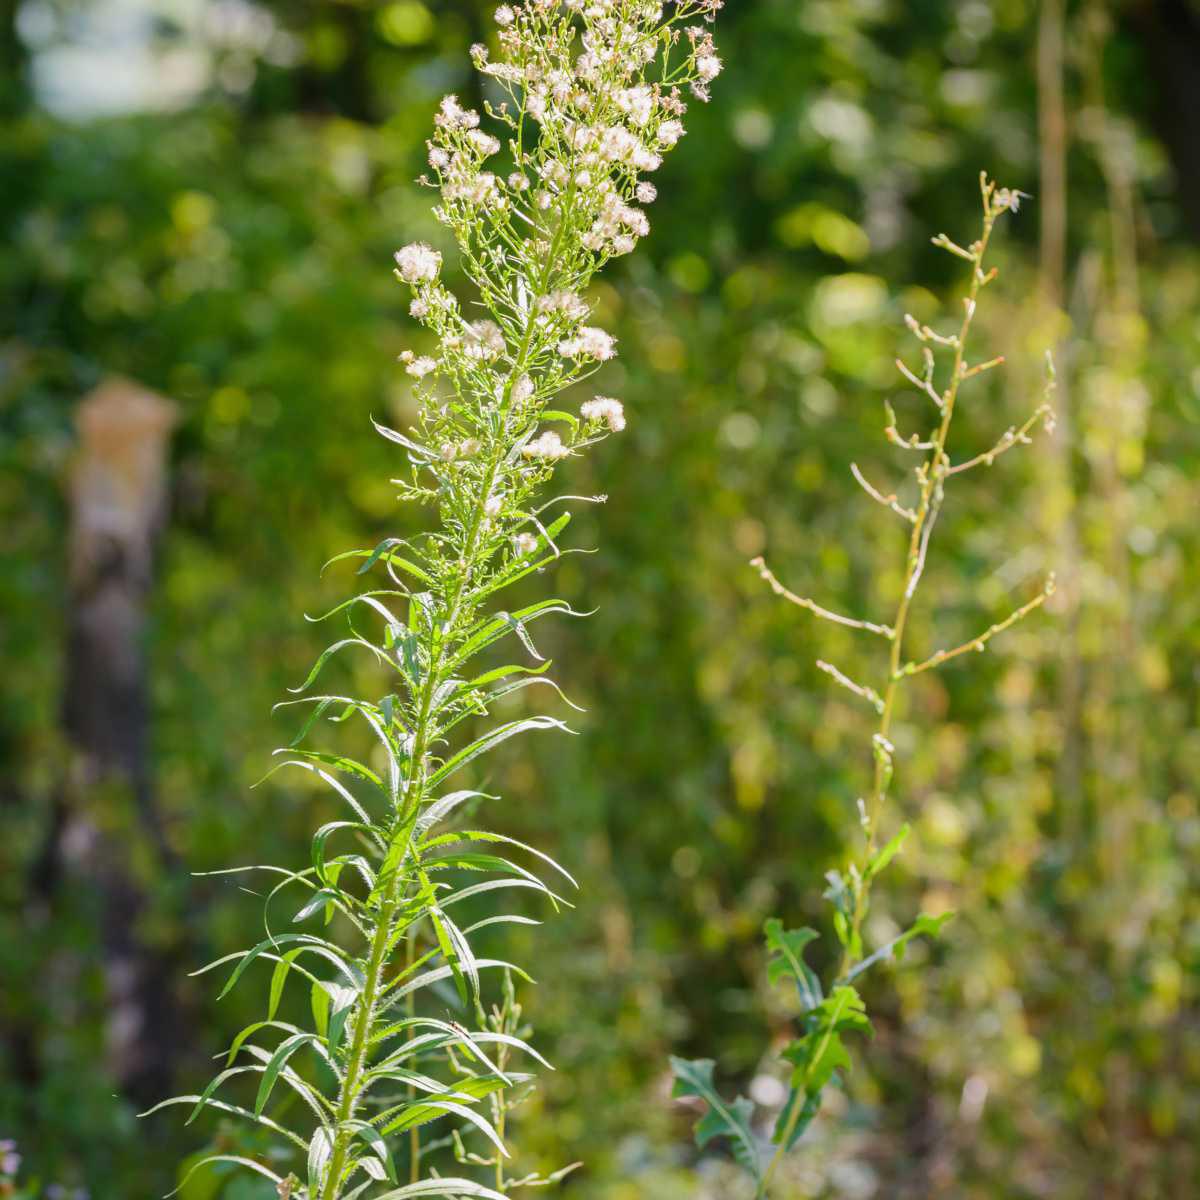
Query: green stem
x,y
410,1007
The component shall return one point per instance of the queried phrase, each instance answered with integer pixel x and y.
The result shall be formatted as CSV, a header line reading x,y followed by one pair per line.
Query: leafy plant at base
x,y
592,103
828,1014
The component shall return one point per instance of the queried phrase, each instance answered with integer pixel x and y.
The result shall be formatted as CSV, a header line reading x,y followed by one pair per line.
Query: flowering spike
x,y
588,107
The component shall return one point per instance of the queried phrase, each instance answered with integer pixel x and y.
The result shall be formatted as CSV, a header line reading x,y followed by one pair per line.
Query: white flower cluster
x,y
418,263
606,410
708,65
586,116
589,342
617,227
418,367
547,445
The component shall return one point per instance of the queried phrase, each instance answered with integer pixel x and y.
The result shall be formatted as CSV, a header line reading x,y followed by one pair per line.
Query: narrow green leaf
x,y
488,742
233,1110
320,1002
278,979
808,1104
480,835
887,853
428,1110
279,1058
320,1150
228,1158
443,1187
375,1142
342,1001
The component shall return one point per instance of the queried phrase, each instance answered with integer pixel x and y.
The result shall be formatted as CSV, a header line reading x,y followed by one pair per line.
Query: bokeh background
x,y
199,201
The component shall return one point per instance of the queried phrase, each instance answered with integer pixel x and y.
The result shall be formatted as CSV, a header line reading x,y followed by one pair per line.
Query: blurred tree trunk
x,y
1061,503
108,839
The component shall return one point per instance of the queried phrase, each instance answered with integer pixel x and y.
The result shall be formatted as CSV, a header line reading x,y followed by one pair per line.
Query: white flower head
x,y
547,445
452,115
565,303
708,67
418,368
669,132
484,143
525,543
484,340
589,342
604,409
637,103
418,263
523,390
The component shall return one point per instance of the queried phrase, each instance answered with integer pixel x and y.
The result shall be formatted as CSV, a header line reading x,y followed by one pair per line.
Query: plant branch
x,y
889,501
803,602
978,643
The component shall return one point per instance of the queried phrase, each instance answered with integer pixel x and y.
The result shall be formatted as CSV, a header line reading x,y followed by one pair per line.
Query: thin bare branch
x,y
896,438
922,385
760,565
1011,437
917,568
879,498
946,244
978,643
869,694
967,372
928,334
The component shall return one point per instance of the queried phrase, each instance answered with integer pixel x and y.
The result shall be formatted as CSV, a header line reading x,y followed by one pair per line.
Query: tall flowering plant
x,y
538,194
833,1011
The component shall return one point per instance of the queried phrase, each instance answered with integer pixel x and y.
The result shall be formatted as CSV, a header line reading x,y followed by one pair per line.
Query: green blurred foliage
x,y
234,255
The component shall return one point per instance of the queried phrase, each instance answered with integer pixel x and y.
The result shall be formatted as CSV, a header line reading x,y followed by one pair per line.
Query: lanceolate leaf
x,y
248,1163
443,1187
278,1061
234,1110
434,1107
377,1145
488,742
888,852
